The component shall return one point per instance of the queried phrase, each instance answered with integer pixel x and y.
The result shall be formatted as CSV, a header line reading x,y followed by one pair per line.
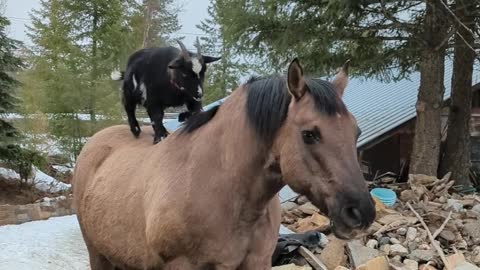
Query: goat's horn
x,y
185,53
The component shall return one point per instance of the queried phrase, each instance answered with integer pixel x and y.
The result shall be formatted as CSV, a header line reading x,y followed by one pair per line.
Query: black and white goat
x,y
158,78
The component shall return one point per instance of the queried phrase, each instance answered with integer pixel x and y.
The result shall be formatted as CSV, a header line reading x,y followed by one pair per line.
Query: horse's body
x,y
204,198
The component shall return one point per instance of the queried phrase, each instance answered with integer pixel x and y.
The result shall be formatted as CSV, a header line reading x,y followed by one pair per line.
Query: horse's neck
x,y
253,172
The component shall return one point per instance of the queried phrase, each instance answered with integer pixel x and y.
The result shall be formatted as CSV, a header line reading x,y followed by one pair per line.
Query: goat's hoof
x,y
136,132
160,138
182,117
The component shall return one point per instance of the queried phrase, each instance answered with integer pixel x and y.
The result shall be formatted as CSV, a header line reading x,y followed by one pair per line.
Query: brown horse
x,y
206,197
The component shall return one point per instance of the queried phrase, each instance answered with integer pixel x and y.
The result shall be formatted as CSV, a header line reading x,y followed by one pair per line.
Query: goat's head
x,y
189,70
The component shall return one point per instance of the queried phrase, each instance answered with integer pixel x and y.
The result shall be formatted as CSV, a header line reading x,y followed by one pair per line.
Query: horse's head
x,y
316,146
188,70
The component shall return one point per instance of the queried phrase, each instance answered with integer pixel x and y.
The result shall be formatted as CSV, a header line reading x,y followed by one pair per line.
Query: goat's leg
x,y
156,115
132,120
193,108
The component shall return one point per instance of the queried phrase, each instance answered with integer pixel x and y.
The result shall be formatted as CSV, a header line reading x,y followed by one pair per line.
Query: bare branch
x,y
430,236
447,38
456,18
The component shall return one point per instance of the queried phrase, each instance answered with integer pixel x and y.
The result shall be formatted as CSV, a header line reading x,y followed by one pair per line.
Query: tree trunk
x,y
426,144
457,146
94,74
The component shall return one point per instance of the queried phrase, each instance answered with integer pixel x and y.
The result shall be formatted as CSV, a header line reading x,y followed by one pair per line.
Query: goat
x,y
162,77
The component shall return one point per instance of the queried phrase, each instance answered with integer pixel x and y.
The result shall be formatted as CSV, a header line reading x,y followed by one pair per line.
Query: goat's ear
x,y
210,59
296,82
341,79
177,63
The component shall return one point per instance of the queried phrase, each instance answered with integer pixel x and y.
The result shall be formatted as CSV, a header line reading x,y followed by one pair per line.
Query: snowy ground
x,y
53,244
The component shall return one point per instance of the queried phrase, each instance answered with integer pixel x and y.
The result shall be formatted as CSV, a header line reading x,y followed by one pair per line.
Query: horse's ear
x,y
341,79
210,59
296,82
177,63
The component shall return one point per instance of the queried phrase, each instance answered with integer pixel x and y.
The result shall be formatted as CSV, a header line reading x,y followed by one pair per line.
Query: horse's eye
x,y
311,136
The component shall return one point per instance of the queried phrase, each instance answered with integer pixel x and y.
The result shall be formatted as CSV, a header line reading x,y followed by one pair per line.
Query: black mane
x,y
267,104
198,120
268,100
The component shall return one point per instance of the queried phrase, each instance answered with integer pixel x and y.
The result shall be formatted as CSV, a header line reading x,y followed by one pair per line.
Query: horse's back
x,y
106,191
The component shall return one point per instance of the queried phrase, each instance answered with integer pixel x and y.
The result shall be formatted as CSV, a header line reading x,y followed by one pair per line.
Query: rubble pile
x,y
427,228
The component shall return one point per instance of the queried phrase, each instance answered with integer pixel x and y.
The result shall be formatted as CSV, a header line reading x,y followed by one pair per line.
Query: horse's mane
x,y
268,100
199,120
267,104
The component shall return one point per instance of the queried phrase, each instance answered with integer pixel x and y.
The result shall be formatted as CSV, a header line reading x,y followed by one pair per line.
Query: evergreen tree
x,y
386,39
224,75
9,63
159,19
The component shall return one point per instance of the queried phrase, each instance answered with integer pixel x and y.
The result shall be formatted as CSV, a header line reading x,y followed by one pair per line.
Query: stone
x,y
397,265
383,241
397,258
412,246
360,254
442,199
410,264
425,267
411,233
308,208
291,267
340,268
462,244
476,208
316,222
473,214
402,231
394,241
372,243
408,195
287,206
398,249
378,263
420,255
476,255
472,230
447,235
334,253
424,246
385,249
454,205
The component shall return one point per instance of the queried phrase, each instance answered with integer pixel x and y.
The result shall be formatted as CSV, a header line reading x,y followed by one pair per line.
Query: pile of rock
x,y
428,228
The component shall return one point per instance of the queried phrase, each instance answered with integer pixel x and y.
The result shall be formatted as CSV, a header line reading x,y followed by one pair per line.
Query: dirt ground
x,y
14,194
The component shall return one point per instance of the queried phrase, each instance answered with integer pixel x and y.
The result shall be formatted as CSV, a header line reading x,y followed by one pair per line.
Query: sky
x,y
194,11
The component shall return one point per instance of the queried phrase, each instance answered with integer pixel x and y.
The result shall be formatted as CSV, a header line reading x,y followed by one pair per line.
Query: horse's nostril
x,y
354,216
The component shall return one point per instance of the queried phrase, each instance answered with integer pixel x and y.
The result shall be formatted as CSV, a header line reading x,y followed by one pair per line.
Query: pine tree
x,y
224,75
9,63
385,39
159,20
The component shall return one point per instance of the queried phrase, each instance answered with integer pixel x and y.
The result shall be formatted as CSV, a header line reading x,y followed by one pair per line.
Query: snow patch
x,y
53,244
62,169
9,174
45,182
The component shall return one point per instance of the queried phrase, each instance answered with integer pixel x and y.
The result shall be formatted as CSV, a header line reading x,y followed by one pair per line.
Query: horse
x,y
206,197
158,78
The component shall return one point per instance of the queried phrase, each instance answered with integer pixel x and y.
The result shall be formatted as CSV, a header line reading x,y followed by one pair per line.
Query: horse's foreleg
x,y
264,239
156,115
